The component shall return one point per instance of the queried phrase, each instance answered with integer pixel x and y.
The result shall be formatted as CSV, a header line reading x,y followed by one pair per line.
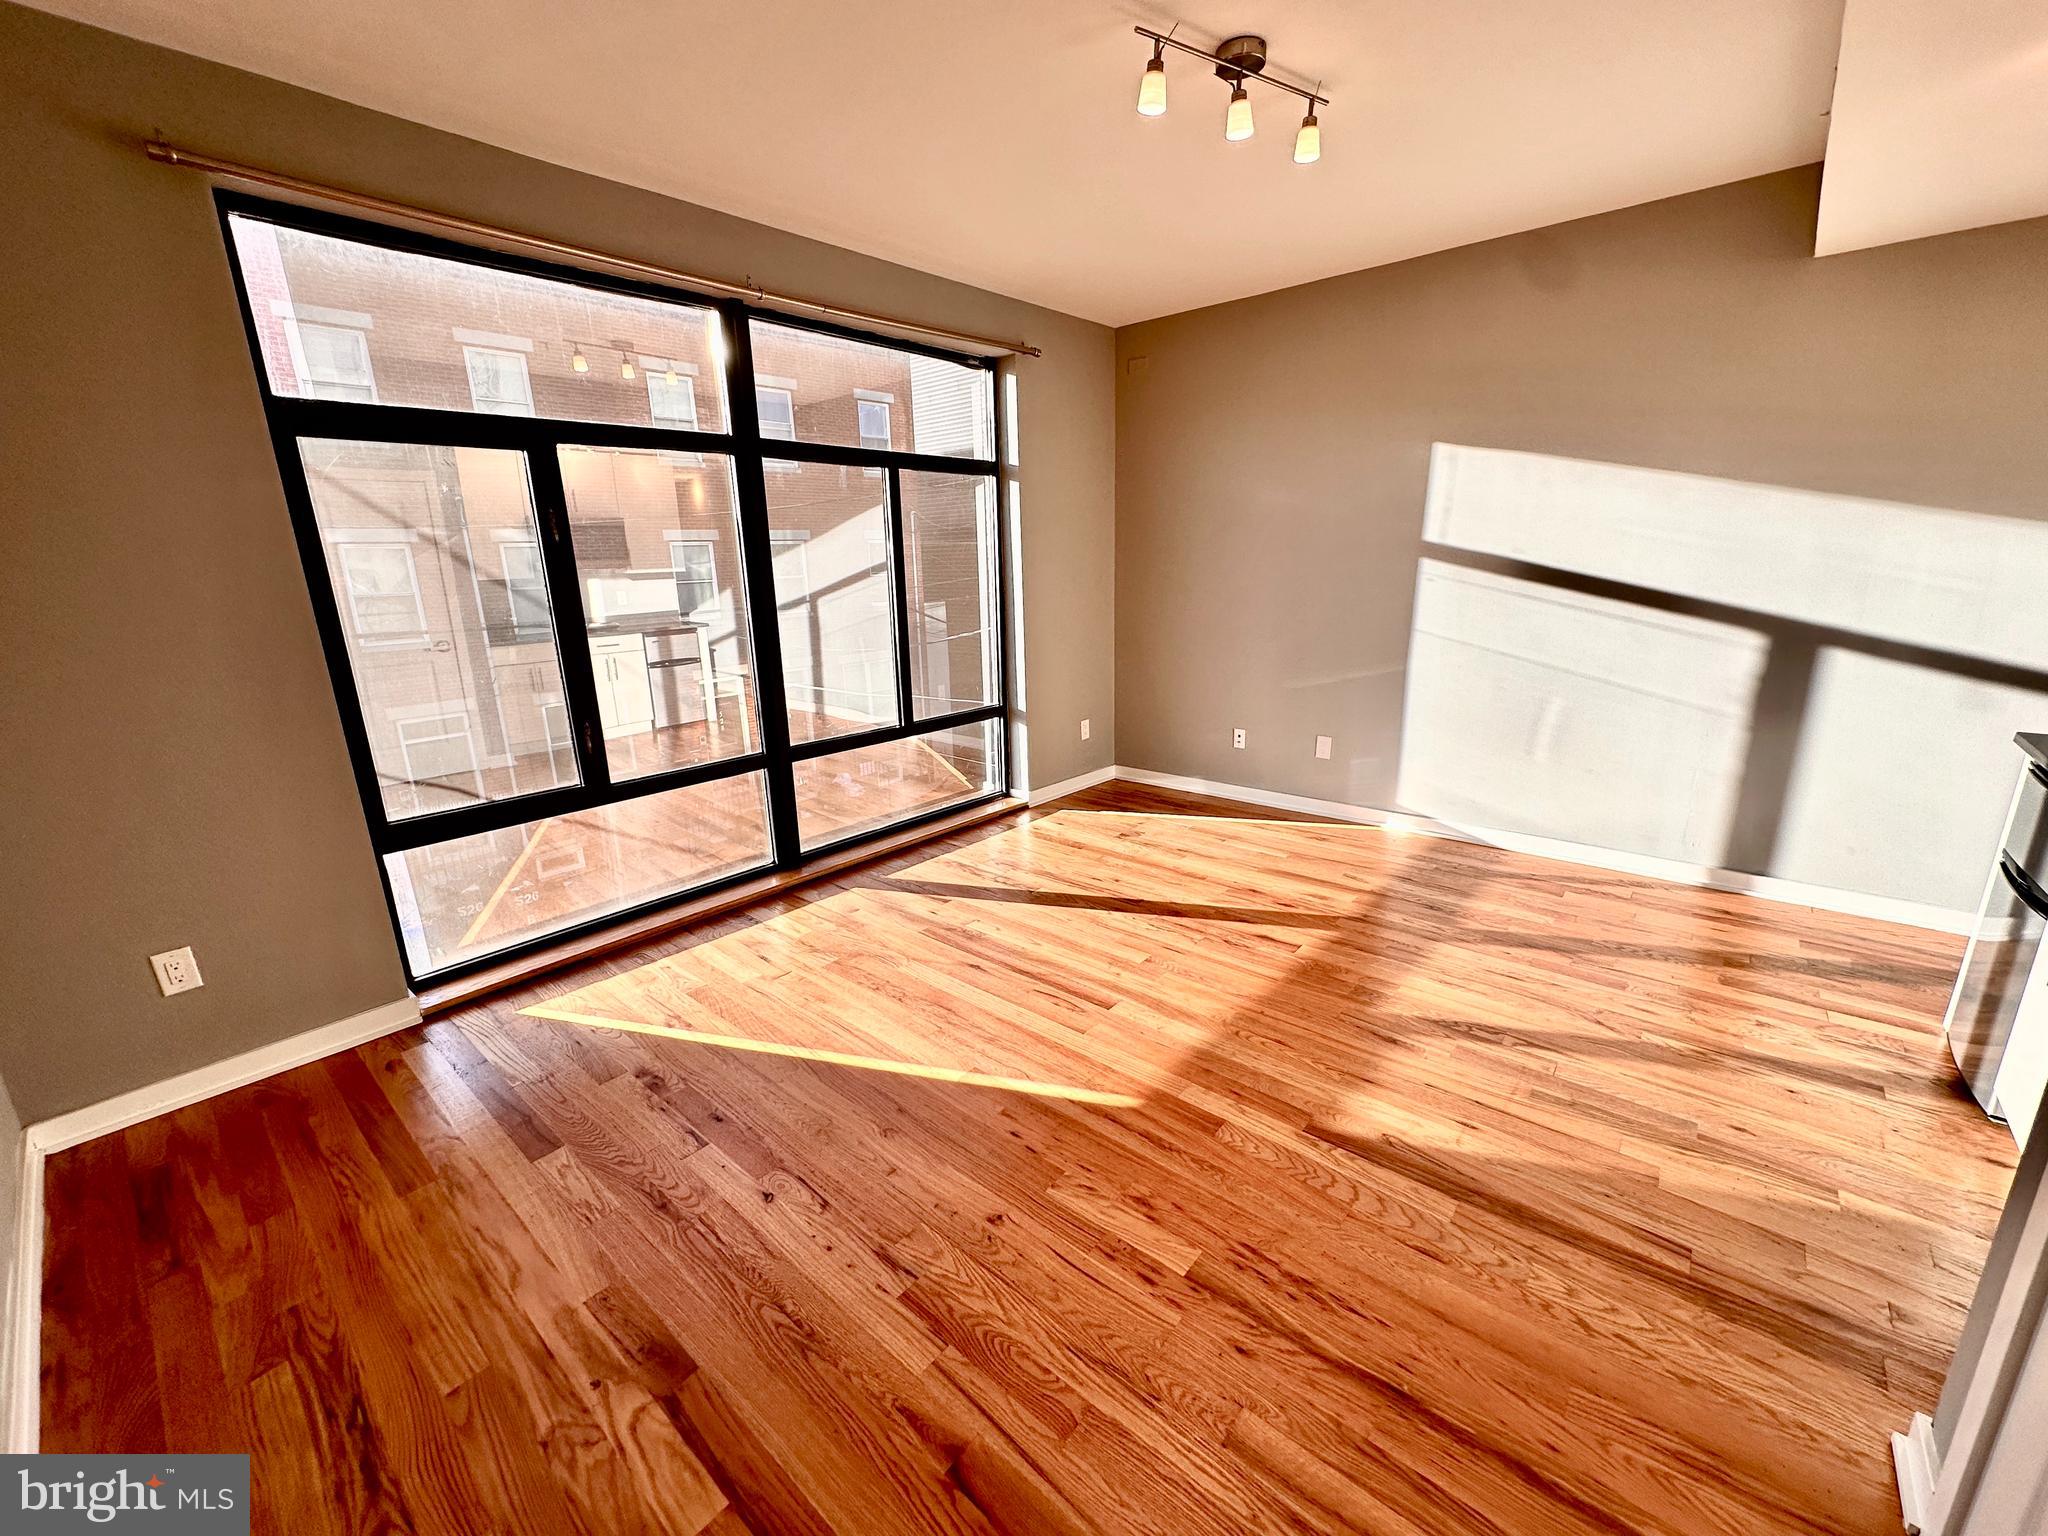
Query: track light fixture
x,y
1152,85
1238,60
1308,140
625,367
578,361
1237,118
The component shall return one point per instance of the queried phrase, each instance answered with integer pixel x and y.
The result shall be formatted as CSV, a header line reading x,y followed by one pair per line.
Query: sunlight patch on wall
x,y
1561,715
1955,581
1818,687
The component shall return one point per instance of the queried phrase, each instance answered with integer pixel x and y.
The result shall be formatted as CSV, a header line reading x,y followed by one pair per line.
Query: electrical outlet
x,y
1323,747
176,971
1237,738
1084,730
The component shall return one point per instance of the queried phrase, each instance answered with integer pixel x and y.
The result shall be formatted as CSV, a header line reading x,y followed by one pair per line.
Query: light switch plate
x,y
176,971
1084,729
1323,747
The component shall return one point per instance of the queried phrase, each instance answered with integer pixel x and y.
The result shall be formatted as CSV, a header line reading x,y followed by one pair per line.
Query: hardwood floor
x,y
1141,1164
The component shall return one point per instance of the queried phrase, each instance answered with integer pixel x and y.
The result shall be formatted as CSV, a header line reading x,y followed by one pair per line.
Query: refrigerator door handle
x,y
2023,885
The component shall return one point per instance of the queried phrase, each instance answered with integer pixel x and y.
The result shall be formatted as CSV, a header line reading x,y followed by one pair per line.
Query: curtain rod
x,y
169,154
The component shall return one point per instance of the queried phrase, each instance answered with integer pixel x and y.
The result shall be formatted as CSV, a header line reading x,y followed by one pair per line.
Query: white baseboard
x,y
1915,1460
21,1326
1075,785
21,1340
1888,909
124,1110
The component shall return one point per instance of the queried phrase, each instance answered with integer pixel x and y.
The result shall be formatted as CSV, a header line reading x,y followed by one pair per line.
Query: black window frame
x,y
539,438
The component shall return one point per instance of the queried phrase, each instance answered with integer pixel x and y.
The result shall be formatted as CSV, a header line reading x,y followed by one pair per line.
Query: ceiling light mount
x,y
1237,57
1237,61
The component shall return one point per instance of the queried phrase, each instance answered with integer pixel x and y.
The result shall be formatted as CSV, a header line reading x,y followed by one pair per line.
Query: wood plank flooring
x,y
1141,1164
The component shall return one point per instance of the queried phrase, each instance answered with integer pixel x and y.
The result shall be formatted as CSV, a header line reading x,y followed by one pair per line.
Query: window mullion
x,y
565,606
757,561
898,563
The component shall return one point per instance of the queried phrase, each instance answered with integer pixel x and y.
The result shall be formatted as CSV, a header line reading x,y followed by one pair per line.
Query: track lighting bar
x,y
1161,40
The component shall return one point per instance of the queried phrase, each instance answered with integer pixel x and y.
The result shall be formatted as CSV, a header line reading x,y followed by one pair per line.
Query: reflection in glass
x,y
949,534
656,536
834,597
337,319
472,896
434,557
817,388
843,794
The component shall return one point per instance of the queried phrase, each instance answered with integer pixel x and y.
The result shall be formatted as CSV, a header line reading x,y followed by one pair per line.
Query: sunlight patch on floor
x,y
843,1059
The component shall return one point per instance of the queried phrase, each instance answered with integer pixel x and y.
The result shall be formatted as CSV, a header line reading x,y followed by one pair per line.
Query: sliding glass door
x,y
624,594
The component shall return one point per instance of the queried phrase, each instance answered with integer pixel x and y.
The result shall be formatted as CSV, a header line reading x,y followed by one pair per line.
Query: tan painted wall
x,y
1273,456
175,770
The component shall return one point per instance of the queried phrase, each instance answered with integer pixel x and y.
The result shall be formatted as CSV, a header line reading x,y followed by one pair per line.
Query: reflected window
x,y
498,384
874,423
334,362
526,590
696,571
778,412
671,395
383,592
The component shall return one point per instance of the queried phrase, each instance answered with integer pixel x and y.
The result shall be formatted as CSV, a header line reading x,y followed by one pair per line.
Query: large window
x,y
595,649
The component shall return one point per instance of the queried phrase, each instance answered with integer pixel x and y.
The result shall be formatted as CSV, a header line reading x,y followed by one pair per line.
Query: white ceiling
x,y
997,143
1940,120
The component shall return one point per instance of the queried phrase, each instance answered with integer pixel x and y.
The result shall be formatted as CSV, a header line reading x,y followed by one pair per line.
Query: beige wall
x,y
175,771
1274,455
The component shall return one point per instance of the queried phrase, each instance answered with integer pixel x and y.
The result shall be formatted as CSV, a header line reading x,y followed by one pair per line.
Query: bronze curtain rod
x,y
171,155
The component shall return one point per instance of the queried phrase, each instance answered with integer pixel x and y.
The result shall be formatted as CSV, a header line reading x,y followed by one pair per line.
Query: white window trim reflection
x,y
784,432
384,639
522,405
865,400
683,572
526,549
656,370
464,734
360,386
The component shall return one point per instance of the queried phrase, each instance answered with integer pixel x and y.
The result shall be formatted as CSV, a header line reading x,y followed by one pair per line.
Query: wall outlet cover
x,y
1237,737
1084,729
176,971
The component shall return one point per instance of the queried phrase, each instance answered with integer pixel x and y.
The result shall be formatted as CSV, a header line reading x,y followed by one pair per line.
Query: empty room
x,y
1057,770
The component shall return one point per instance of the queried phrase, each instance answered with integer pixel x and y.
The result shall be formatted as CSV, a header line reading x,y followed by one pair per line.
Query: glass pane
x,y
949,534
657,546
845,793
828,532
345,320
817,388
472,896
434,558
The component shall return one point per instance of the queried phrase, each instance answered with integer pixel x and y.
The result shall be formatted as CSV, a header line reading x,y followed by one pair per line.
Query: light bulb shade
x,y
625,367
1237,122
1308,142
579,362
1152,89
